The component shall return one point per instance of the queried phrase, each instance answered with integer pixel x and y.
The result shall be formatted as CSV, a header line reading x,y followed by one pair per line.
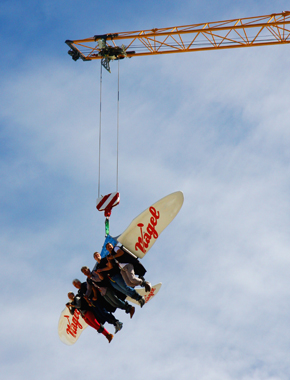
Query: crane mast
x,y
237,33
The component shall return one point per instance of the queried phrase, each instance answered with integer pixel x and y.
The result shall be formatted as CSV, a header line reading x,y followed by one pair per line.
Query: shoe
x,y
118,326
110,337
147,286
141,301
132,311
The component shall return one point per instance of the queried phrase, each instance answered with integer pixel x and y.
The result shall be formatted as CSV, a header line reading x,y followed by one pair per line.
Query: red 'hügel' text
x,y
150,295
144,240
72,327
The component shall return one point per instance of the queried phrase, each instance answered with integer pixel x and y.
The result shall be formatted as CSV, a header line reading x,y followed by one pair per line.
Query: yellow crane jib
x,y
235,33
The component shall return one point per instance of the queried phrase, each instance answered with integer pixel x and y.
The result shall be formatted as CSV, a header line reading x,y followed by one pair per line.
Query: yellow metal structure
x,y
242,32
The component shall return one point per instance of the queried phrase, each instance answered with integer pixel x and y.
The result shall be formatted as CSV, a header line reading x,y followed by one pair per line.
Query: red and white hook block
x,y
107,202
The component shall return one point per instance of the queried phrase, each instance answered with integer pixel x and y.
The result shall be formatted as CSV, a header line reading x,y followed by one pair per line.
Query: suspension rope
x,y
100,132
100,129
118,113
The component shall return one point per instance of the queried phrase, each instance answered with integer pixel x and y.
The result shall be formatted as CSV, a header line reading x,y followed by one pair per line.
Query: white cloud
x,y
214,125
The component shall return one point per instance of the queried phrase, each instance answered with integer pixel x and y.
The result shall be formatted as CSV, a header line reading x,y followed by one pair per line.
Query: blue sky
x,y
214,125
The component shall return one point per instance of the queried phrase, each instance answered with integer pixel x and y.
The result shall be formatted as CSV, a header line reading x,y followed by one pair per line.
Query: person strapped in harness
x,y
130,266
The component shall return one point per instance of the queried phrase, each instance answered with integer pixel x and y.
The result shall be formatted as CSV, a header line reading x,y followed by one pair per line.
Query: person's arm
x,y
70,307
77,302
95,293
108,266
87,300
117,253
97,277
89,290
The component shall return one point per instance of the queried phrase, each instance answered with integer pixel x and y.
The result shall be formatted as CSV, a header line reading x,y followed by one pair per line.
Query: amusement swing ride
x,y
143,231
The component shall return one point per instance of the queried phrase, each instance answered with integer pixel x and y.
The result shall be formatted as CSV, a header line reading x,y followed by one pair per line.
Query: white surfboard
x,y
70,326
144,230
147,295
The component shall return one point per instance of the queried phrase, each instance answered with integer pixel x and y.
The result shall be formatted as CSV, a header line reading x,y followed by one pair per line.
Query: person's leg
x,y
129,276
93,322
98,312
119,284
110,318
112,298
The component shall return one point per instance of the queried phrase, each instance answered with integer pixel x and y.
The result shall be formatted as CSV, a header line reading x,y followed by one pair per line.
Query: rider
x,y
102,288
78,302
116,280
129,266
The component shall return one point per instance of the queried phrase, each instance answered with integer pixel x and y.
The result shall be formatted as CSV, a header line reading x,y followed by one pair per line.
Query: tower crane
x,y
228,34
236,33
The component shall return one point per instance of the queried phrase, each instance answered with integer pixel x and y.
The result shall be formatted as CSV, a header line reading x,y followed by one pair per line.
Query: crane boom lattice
x,y
237,33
